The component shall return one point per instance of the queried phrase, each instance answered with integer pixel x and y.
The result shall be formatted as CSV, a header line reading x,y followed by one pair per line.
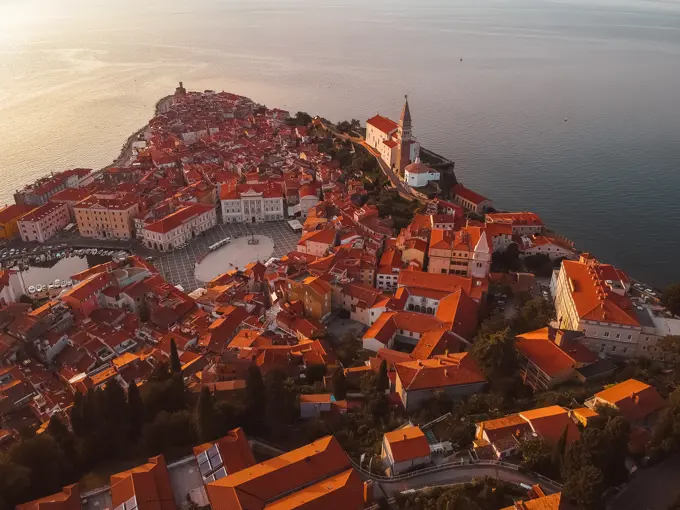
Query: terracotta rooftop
x,y
277,481
407,443
634,399
383,124
442,371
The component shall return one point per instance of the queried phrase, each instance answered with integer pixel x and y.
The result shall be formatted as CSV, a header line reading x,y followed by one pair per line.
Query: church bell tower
x,y
405,137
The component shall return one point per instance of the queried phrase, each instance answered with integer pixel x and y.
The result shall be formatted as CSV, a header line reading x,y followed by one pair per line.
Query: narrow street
x,y
460,474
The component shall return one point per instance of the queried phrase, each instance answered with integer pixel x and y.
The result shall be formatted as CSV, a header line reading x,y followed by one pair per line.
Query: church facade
x,y
394,141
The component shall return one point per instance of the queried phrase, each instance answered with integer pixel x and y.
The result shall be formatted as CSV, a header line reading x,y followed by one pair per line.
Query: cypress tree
x,y
206,417
339,385
135,408
255,397
175,364
77,421
383,378
558,451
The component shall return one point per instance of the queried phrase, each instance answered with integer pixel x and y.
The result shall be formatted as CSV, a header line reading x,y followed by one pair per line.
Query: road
x,y
456,475
653,488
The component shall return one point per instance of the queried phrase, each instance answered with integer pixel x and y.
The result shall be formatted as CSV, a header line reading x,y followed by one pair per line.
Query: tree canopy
x,y
671,298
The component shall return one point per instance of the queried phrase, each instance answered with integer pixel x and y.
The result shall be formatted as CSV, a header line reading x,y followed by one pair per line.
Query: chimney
x,y
559,338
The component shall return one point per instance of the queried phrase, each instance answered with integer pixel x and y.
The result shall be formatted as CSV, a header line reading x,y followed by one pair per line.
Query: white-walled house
x,y
252,203
179,227
404,449
419,174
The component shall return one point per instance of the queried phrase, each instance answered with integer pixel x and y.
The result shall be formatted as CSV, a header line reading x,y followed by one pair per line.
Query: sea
x,y
568,108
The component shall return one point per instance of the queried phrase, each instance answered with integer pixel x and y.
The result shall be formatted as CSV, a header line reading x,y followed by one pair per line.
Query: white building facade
x,y
252,205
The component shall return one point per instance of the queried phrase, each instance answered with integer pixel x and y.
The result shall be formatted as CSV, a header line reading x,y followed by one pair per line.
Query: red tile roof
x,y
383,124
67,499
148,483
13,211
288,481
234,451
468,194
42,211
179,217
440,372
593,298
407,443
634,399
550,422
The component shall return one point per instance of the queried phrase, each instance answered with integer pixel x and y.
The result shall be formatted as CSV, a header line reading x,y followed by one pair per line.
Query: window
x,y
613,348
630,336
606,333
618,335
625,350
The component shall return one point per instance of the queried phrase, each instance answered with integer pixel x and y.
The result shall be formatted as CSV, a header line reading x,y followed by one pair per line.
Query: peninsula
x,y
294,313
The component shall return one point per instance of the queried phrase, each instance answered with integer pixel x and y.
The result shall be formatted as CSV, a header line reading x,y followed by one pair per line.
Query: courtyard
x,y
179,267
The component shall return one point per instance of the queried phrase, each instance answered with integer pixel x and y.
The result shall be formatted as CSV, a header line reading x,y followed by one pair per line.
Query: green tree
x,y
76,415
492,324
113,407
135,411
585,486
670,346
558,451
169,430
671,298
255,399
15,483
175,363
536,455
47,463
496,355
302,118
64,439
206,417
339,384
383,378
534,314
315,373
280,407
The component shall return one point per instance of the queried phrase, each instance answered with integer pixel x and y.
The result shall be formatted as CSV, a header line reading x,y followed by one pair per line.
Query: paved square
x,y
178,267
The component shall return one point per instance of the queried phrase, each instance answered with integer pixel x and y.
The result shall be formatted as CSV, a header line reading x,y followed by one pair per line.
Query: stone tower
x,y
405,137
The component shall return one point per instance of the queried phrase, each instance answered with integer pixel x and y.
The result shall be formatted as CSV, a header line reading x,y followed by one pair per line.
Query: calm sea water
x,y
76,78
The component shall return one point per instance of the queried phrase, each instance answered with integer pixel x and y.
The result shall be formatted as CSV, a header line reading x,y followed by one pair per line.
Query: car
x,y
50,287
649,291
31,289
637,286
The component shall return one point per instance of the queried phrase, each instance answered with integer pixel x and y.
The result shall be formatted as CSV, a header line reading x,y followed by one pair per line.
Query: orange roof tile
x,y
634,399
148,483
234,453
593,299
261,485
442,371
550,422
67,499
468,194
407,443
551,502
382,123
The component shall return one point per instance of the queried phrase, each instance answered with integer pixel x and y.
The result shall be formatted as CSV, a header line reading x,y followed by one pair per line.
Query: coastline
x,y
126,149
